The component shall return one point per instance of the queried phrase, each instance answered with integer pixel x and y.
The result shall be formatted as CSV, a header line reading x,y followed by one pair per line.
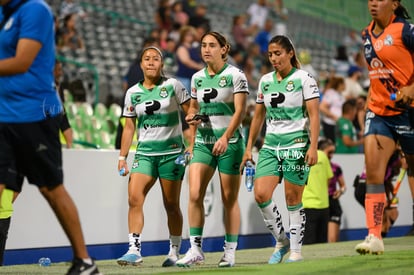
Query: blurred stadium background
x,y
114,31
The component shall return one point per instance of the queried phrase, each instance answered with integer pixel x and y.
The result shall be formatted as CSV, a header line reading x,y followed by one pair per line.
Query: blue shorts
x,y
397,127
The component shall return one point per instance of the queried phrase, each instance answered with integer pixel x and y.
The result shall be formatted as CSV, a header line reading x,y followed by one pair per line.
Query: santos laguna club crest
x,y
163,92
223,82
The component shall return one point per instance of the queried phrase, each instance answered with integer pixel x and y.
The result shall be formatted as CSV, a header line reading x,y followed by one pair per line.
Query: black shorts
x,y
335,210
31,150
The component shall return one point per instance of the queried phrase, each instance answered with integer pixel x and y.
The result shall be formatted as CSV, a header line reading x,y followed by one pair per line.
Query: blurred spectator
x,y
65,128
242,34
359,121
347,141
281,18
70,37
353,43
163,17
340,64
179,16
189,7
335,210
352,87
70,7
305,59
199,18
58,32
188,57
258,13
170,63
331,105
263,37
360,61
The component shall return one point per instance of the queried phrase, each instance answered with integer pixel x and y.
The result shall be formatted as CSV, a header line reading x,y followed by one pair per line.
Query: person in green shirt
x,y
347,141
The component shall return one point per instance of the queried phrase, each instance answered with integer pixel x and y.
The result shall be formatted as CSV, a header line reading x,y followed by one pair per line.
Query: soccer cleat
x,y
228,259
130,259
371,245
294,257
171,258
80,267
281,249
193,256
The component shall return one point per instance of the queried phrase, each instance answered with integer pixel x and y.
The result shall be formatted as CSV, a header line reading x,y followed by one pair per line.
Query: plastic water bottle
x,y
122,171
396,96
250,171
44,261
183,159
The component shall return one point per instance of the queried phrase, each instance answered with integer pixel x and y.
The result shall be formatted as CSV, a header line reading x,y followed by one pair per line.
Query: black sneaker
x,y
79,267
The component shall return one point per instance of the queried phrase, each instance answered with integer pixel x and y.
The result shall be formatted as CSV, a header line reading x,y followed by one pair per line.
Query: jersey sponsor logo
x,y
388,40
376,63
222,82
209,94
152,106
276,98
290,86
199,82
163,92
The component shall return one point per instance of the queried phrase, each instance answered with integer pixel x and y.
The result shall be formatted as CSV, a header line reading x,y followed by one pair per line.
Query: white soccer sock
x,y
273,221
297,229
230,246
196,242
134,242
175,243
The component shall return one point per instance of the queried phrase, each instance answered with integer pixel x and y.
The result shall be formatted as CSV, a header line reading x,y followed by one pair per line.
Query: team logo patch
x,y
290,86
8,24
223,82
378,45
163,92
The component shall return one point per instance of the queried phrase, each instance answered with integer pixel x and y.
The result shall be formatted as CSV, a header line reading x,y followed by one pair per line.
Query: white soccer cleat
x,y
228,259
193,256
371,245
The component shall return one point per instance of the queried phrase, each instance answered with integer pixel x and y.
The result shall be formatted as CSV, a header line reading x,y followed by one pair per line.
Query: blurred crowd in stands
x,y
179,24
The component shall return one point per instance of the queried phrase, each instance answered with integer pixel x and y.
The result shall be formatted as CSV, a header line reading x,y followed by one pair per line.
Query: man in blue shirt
x,y
30,115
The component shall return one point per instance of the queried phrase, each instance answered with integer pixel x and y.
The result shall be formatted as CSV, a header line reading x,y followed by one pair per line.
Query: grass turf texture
x,y
335,258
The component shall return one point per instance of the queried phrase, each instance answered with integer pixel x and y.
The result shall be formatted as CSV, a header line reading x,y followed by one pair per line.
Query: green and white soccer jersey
x,y
215,96
286,117
158,113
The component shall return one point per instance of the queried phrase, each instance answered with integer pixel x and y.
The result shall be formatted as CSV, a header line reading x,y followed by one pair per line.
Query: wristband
x,y
121,158
343,190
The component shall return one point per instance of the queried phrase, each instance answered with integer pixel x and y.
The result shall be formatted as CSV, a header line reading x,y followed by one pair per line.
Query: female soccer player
x,y
155,103
389,51
219,92
288,99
